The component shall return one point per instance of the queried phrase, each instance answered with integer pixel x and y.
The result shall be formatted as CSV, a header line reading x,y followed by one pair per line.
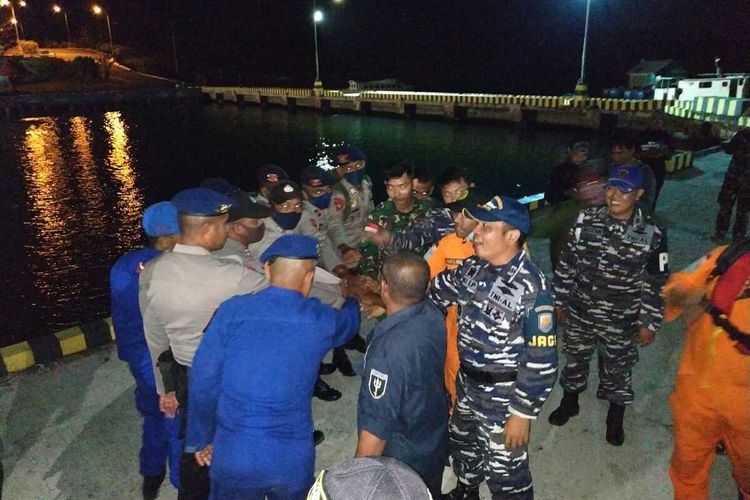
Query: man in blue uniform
x,y
507,352
403,408
159,433
254,426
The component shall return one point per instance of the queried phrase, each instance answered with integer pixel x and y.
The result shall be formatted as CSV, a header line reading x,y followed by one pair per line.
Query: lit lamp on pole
x,y
58,10
582,90
317,18
98,11
13,19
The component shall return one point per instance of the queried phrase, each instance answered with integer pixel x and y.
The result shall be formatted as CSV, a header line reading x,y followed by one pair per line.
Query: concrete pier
x,y
71,430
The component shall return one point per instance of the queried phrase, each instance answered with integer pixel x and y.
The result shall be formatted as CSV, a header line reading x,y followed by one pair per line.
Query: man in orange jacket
x,y
448,253
711,400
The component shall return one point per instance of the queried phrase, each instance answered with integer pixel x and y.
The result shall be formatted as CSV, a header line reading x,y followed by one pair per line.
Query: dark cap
x,y
474,196
160,219
370,478
283,191
219,184
202,202
353,152
245,208
580,146
270,174
316,177
292,246
627,178
502,209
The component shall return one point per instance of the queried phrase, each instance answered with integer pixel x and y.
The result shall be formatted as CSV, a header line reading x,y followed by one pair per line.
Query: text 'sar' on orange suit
x,y
447,254
711,399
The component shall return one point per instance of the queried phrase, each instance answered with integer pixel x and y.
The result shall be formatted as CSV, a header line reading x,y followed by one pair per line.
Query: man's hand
x,y
560,313
381,238
168,404
373,311
645,337
517,431
349,255
344,287
203,457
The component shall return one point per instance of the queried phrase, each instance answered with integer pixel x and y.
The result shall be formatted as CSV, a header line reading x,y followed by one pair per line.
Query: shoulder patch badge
x,y
545,322
377,383
339,203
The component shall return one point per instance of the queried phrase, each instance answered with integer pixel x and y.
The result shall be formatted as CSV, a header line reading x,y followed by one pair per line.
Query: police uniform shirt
x,y
506,324
315,223
613,270
233,249
179,292
402,399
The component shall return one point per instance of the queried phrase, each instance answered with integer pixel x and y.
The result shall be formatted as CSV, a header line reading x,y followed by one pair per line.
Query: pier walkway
x,y
71,430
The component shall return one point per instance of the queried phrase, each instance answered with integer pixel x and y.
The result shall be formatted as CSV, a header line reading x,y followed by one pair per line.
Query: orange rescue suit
x,y
711,399
447,254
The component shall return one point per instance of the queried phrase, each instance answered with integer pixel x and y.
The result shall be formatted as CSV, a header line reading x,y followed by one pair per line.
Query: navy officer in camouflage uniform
x,y
507,353
607,289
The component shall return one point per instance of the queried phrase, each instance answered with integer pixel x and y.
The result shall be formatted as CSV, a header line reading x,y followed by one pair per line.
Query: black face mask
x,y
255,234
287,221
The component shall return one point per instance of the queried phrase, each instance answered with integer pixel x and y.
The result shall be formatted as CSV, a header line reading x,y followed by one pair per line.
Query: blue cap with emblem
x,y
202,202
160,219
502,209
292,246
627,178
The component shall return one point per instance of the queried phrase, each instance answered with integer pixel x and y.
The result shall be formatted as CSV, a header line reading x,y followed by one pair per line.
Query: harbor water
x,y
72,188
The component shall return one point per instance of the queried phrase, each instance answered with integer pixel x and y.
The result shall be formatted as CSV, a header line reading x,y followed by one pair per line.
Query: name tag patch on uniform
x,y
545,322
377,383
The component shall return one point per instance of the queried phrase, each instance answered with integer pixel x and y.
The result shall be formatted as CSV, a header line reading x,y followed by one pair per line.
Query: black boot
x,y
615,432
568,408
318,437
342,363
325,392
356,343
326,368
151,485
464,492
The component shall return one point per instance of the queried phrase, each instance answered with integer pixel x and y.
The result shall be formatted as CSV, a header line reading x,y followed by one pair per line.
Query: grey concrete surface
x,y
70,430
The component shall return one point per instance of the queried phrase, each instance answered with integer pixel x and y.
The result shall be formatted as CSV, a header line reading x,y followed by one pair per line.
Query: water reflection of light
x,y
322,152
49,195
91,188
119,161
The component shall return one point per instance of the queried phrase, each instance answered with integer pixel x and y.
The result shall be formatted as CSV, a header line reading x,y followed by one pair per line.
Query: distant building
x,y
387,84
646,73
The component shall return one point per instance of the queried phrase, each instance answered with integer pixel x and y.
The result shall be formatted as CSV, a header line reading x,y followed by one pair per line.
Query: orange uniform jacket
x,y
711,400
447,254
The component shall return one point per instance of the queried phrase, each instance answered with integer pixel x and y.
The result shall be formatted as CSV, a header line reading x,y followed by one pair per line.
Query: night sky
x,y
505,46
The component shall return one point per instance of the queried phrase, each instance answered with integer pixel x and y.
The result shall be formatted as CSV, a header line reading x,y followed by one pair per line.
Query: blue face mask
x,y
287,221
356,177
322,201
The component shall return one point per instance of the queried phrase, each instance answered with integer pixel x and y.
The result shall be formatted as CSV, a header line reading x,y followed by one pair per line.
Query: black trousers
x,y
194,481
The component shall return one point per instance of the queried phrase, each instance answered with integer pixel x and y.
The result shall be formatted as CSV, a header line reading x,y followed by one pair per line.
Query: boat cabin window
x,y
724,84
705,85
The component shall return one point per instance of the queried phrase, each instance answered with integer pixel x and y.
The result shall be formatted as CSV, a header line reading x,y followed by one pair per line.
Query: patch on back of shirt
x,y
377,383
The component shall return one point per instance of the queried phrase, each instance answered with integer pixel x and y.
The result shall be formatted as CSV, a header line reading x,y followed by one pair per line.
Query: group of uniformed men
x,y
226,317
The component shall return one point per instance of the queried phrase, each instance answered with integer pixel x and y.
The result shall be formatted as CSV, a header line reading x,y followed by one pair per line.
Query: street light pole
x,y
57,10
581,87
13,18
317,17
109,29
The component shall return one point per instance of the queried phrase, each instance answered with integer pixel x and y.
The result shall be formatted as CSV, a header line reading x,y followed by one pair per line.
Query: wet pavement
x,y
71,429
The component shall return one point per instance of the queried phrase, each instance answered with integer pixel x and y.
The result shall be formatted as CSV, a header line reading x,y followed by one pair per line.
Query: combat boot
x,y
356,343
568,408
464,492
324,391
615,432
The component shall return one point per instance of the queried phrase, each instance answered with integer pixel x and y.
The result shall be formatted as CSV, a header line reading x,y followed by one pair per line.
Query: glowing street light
x,y
57,10
98,11
317,17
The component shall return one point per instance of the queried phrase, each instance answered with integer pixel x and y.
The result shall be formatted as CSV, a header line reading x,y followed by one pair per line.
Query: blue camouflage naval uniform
x,y
402,399
608,282
251,387
159,440
506,345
